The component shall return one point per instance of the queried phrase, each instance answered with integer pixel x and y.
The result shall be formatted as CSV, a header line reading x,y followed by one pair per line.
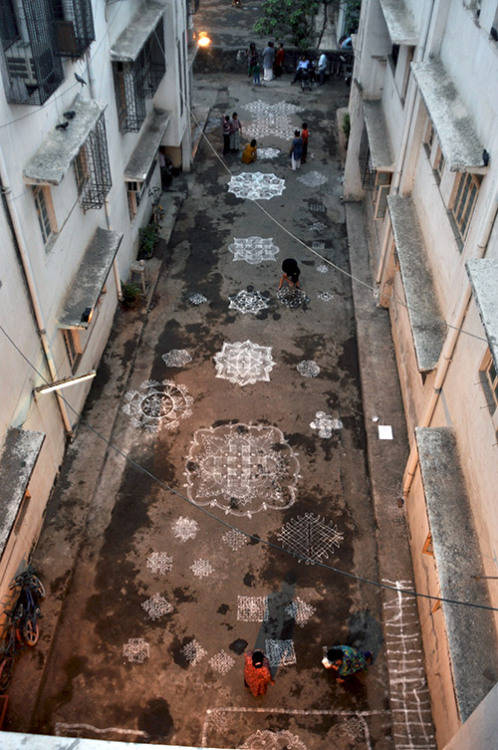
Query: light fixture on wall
x,y
65,382
203,40
87,315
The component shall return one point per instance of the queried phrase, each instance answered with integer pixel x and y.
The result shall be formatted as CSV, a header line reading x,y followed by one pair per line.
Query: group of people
x,y
299,147
272,62
307,69
343,661
232,130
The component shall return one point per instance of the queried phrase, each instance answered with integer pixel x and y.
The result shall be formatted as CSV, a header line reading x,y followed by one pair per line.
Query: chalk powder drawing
x,y
268,153
300,611
242,469
197,298
158,405
410,703
313,179
193,652
222,662
291,296
325,296
252,609
176,358
136,650
318,208
264,739
253,249
318,226
185,528
318,245
310,538
270,119
248,302
160,562
202,568
308,368
157,606
256,185
280,653
325,424
234,539
244,362
322,268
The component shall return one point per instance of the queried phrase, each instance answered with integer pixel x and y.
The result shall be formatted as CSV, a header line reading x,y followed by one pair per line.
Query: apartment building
x,y
89,92
423,156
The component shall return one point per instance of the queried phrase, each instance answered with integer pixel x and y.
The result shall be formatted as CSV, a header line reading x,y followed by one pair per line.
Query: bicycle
x,y
157,210
26,609
12,644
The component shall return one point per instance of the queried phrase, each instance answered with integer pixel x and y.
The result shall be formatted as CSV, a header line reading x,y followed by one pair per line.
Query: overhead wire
x,y
206,512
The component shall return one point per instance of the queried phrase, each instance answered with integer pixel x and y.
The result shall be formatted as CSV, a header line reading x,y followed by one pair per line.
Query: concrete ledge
x,y
470,632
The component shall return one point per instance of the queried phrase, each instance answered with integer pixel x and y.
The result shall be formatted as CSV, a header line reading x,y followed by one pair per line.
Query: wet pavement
x,y
219,495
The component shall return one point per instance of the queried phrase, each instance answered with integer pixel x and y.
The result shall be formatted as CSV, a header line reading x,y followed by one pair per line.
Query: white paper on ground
x,y
385,432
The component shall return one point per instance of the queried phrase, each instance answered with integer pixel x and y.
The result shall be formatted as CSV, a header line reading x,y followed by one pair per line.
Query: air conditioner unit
x,y
20,63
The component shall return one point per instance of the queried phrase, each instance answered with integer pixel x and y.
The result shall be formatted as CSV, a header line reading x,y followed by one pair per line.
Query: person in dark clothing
x,y
291,273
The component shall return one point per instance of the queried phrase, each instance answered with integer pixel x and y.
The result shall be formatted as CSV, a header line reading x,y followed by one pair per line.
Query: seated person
x,y
302,67
250,152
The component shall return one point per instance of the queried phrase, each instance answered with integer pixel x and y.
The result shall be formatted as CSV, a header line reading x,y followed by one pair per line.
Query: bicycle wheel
x,y
38,587
6,672
30,632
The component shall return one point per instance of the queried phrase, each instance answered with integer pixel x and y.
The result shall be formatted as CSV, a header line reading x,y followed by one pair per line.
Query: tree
x,y
294,21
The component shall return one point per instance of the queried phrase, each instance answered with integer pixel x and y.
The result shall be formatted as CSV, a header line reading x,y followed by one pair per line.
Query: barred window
x,y
92,169
467,191
74,26
45,212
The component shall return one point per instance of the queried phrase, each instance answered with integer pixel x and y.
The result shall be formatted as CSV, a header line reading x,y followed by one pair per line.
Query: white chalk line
x,y
61,726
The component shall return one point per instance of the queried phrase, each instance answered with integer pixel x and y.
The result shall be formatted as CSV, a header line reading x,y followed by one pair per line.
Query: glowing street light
x,y
203,40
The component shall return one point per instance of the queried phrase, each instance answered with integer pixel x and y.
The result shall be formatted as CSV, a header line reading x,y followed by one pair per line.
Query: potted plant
x,y
131,294
147,238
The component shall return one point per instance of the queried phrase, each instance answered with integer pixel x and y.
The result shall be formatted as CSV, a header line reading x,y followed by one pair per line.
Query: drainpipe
x,y
404,145
449,346
108,222
33,293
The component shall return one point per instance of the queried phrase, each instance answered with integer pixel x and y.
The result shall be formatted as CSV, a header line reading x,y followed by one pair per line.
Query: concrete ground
x,y
207,500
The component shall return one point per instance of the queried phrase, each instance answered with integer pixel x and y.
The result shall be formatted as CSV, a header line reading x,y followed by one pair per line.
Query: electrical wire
x,y
231,527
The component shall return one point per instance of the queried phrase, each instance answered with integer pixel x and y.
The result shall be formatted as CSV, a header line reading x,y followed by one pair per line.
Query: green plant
x,y
147,238
346,125
131,293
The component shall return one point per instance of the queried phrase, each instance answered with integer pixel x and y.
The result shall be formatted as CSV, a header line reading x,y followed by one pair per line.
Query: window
x,y
73,347
33,68
137,189
380,192
467,190
45,212
489,380
136,81
74,26
92,169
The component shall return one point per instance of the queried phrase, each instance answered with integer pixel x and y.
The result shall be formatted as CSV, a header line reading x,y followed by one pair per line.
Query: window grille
x,y
138,80
74,26
33,66
45,212
465,201
192,6
92,169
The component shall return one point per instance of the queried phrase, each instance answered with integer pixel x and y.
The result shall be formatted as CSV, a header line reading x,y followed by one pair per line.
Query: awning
x,y
20,453
427,325
452,122
146,149
90,278
459,567
51,162
379,142
399,22
483,275
128,45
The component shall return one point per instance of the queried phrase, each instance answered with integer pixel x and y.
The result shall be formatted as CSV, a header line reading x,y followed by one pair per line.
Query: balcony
x,y
74,26
33,68
139,64
82,144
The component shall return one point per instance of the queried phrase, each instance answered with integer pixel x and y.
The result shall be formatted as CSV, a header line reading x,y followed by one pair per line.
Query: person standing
x,y
323,64
279,60
226,135
257,675
305,134
268,60
257,74
235,133
346,661
296,150
252,59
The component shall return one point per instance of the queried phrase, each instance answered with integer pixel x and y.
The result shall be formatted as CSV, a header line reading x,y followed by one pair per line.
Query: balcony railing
x,y
74,26
33,67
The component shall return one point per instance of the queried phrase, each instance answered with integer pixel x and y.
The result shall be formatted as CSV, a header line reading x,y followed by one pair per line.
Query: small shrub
x,y
147,238
131,293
